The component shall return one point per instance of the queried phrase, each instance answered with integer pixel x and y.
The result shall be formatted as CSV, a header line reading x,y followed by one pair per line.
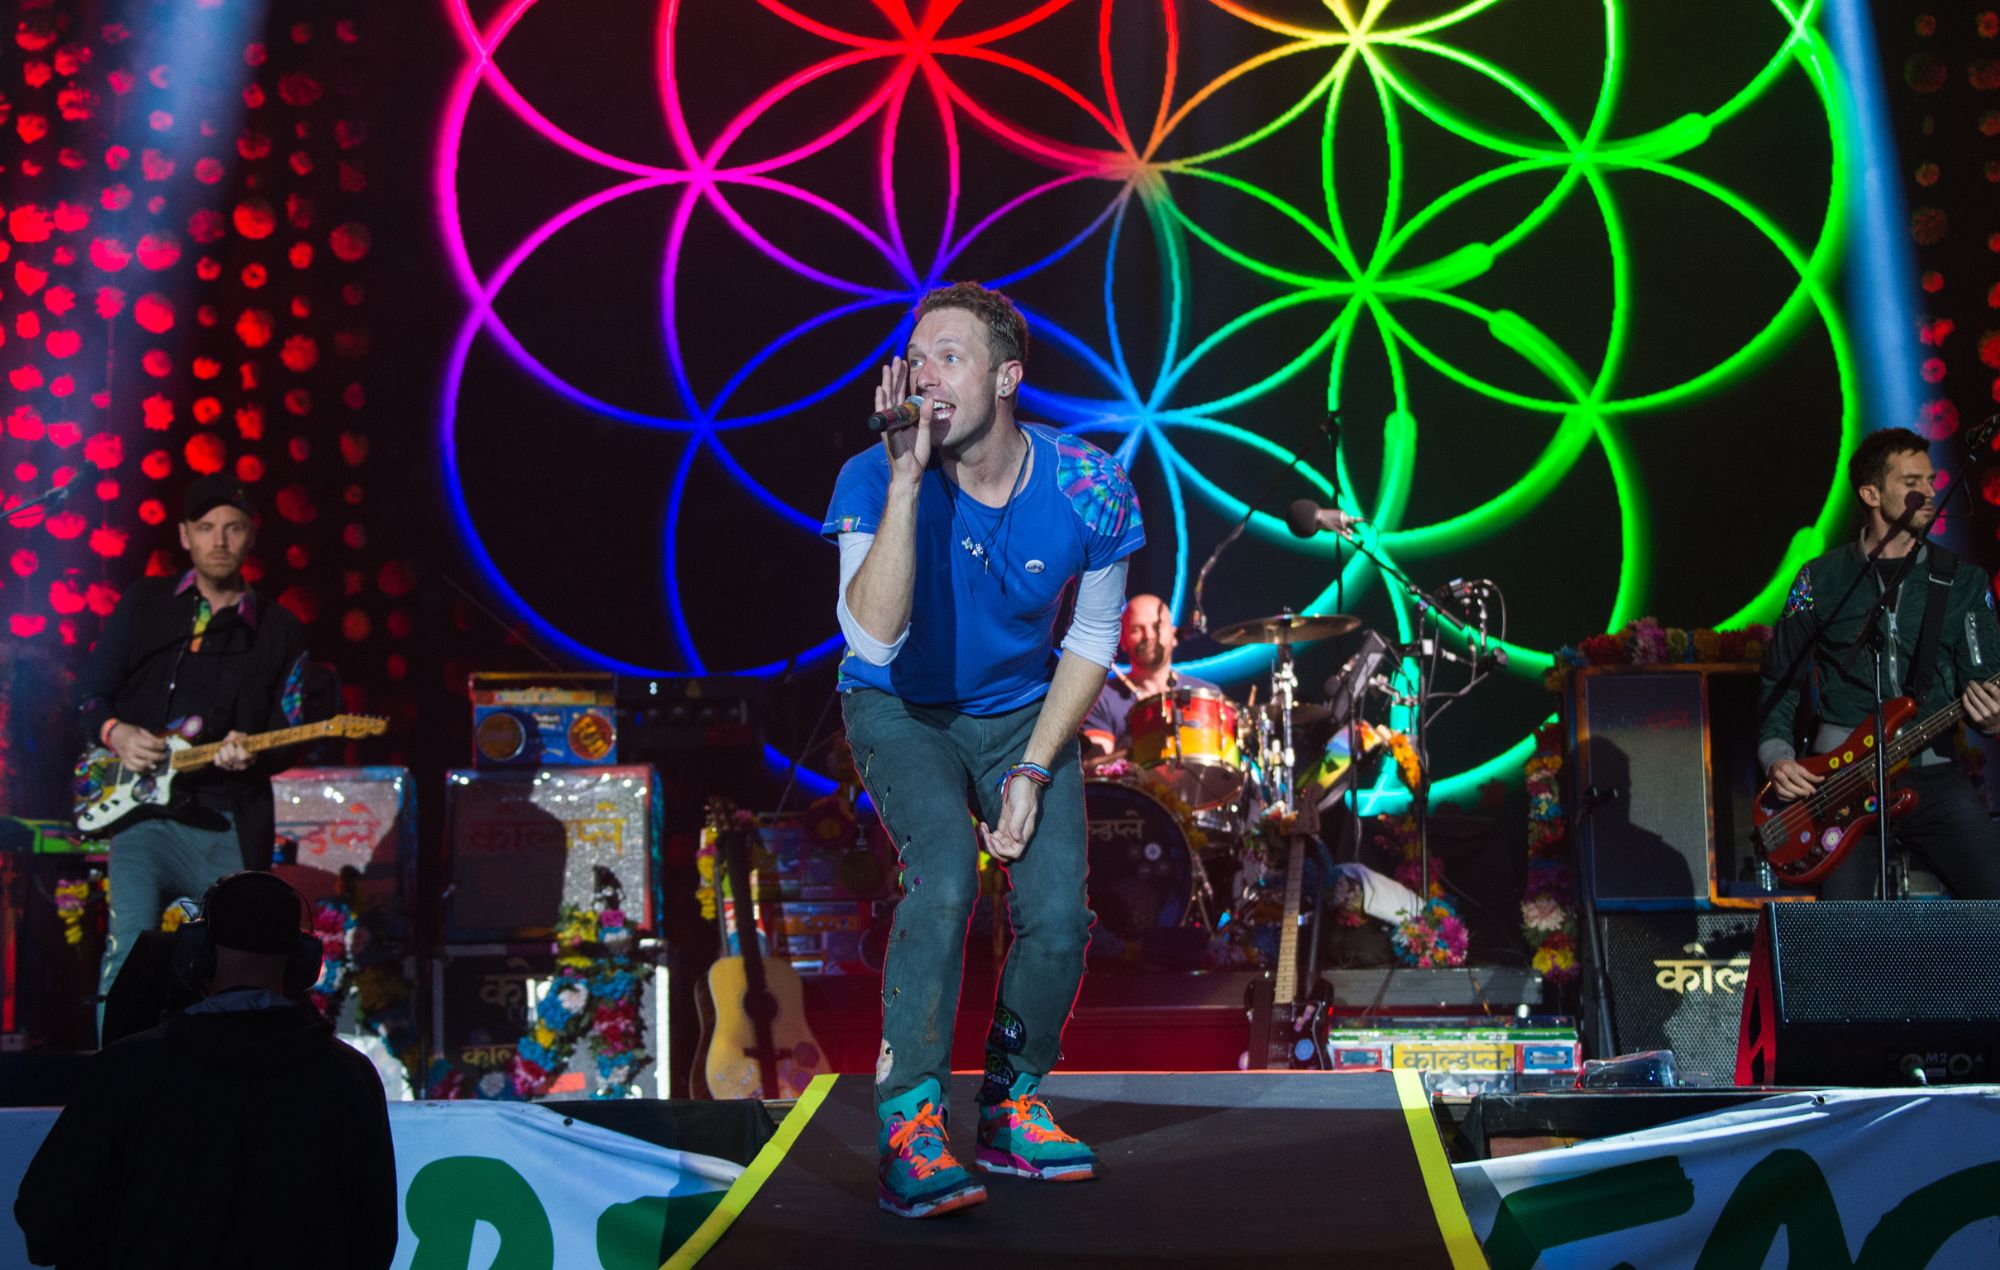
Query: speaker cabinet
x,y
1868,992
1674,980
1662,770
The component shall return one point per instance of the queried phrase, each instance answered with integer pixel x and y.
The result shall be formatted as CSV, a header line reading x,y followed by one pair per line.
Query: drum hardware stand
x,y
1428,648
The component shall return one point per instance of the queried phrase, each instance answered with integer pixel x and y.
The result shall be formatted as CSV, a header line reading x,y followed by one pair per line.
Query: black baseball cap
x,y
212,491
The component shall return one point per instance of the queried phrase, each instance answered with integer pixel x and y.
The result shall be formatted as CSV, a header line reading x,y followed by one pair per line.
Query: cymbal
x,y
1285,628
1303,712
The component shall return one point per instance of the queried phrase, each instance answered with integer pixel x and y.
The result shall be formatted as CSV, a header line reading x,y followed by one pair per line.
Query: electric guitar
x,y
759,1043
109,795
1282,1024
1804,839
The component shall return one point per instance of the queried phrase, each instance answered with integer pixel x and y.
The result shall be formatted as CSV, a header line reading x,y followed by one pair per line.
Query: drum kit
x,y
1170,818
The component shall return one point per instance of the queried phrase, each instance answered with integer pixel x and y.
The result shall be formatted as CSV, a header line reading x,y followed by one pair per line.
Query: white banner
x,y
491,1183
482,1179
1838,1179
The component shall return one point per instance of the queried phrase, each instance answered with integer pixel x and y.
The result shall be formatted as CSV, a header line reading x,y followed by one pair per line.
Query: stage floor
x,y
1254,1168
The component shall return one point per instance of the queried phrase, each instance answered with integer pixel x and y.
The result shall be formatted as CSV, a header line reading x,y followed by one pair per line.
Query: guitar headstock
x,y
356,726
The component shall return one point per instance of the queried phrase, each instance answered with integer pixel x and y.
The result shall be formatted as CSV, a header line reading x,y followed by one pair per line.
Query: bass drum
x,y
1141,869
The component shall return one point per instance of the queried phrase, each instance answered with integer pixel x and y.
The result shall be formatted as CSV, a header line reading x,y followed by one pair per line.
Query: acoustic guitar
x,y
759,1043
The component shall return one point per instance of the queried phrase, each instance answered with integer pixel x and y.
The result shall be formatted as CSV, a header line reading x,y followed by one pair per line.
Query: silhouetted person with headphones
x,y
240,1132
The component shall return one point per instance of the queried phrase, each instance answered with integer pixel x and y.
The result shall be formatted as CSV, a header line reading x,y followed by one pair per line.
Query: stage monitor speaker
x,y
1662,770
1867,992
1674,980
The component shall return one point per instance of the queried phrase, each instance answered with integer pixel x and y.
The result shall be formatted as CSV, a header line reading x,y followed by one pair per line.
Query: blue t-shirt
x,y
990,579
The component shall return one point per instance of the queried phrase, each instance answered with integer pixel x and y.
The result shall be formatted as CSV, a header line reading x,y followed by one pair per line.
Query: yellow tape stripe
x,y
1453,1224
745,1188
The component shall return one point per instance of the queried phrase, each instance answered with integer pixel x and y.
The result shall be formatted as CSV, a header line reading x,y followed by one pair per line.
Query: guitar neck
x,y
1285,983
202,755
1917,737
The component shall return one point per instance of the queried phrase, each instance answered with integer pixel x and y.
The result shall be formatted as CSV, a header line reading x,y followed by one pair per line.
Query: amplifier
x,y
483,999
520,845
1676,982
544,720
1867,992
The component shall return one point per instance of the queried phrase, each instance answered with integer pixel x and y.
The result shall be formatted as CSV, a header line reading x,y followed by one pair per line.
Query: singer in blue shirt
x,y
959,535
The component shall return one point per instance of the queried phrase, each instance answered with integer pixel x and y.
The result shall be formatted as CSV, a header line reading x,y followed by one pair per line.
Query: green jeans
x,y
930,770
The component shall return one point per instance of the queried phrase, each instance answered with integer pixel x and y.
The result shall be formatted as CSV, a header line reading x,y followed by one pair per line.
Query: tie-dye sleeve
x,y
1102,496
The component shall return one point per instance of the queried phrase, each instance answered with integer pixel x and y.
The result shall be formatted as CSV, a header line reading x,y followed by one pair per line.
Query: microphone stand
x,y
1874,635
1199,618
54,494
1426,604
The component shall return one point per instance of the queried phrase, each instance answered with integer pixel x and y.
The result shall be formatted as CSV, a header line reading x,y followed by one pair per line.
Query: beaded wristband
x,y
1035,772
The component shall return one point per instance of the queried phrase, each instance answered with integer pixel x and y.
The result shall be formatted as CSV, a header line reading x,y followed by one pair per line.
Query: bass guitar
x,y
109,795
1804,839
759,1043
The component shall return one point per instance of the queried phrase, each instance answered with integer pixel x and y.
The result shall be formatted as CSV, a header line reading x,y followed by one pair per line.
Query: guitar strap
x,y
1941,565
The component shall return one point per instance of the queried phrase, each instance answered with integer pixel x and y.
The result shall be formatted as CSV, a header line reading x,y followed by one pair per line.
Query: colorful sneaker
x,y
919,1177
1019,1136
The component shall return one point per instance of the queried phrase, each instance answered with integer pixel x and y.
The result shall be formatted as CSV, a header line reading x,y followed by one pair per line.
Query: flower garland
x,y
595,996
334,922
357,958
73,897
1647,643
1548,913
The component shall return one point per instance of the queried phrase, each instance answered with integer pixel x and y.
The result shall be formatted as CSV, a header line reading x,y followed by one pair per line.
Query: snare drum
x,y
1141,870
1201,758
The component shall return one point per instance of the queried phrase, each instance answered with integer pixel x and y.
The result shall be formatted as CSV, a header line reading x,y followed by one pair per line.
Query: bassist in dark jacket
x,y
1812,651
203,646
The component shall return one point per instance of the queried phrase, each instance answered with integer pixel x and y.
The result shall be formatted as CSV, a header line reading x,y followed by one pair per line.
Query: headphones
x,y
194,946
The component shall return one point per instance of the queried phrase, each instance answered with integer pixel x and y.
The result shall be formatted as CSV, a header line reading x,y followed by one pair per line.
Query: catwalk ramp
x,y
1257,1168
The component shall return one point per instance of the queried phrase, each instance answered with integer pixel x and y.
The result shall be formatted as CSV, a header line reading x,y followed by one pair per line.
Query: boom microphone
x,y
1306,518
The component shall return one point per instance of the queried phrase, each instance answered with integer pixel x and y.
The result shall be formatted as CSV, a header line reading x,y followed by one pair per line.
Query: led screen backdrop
x,y
1568,270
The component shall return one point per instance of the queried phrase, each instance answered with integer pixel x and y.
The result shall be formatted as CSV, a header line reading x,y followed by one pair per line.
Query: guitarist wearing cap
x,y
202,653
1943,649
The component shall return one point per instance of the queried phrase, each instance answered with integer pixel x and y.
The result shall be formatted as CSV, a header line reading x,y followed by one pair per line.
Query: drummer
x,y
1146,638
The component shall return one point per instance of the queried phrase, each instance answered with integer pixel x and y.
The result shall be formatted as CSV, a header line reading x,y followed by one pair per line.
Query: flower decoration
x,y
1647,643
334,923
1547,916
1435,935
73,898
595,997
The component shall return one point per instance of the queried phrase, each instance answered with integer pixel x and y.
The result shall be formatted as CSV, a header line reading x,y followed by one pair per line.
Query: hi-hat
x,y
1285,628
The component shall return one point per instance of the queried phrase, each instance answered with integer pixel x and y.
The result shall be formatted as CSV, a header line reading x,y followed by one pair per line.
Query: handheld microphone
x,y
903,414
1306,518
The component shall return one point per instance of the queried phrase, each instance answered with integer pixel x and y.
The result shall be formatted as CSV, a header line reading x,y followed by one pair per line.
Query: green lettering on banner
x,y
449,1197
1912,1232
1537,1218
1785,1191
644,1233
